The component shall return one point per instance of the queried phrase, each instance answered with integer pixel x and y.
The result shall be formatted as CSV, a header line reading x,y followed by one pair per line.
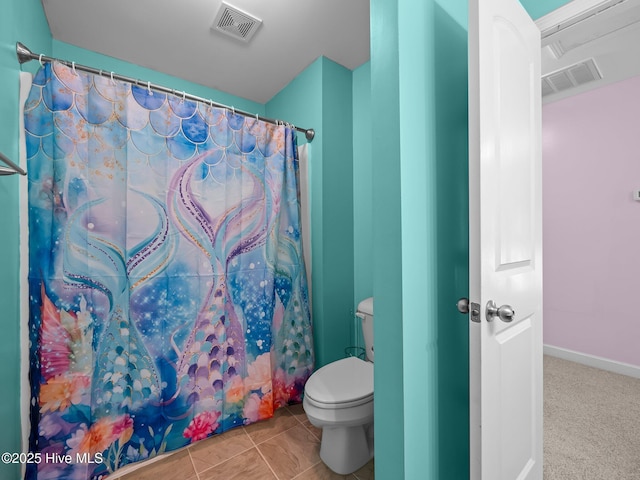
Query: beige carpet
x,y
591,423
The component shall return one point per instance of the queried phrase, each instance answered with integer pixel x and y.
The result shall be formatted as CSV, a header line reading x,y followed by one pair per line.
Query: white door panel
x,y
505,241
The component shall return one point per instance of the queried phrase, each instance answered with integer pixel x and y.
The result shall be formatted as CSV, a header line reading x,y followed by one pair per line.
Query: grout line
x,y
267,462
317,437
195,470
272,435
247,434
275,436
223,461
304,425
255,445
294,415
304,471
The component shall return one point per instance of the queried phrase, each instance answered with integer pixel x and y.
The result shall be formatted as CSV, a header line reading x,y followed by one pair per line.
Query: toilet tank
x,y
365,313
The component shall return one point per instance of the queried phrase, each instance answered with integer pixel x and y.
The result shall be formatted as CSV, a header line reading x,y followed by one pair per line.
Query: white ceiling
x,y
608,32
175,37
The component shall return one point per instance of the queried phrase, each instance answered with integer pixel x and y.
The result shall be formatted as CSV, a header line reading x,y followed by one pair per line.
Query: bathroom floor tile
x,y
247,466
367,471
291,452
321,472
212,451
281,421
285,447
317,432
175,467
297,411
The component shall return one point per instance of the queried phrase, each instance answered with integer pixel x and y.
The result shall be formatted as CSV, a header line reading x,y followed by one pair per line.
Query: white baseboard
x,y
593,361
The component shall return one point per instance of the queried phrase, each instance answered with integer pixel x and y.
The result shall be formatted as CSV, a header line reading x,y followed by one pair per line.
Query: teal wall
x,y
419,111
389,402
362,187
24,21
337,213
81,56
452,213
321,98
539,8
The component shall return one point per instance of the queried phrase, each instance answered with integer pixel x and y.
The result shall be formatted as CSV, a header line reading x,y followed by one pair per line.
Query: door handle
x,y
505,312
463,305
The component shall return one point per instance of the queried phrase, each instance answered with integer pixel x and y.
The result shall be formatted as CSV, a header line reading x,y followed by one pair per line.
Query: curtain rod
x,y
12,169
25,55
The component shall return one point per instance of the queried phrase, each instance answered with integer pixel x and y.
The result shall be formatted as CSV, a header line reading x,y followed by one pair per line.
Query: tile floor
x,y
285,447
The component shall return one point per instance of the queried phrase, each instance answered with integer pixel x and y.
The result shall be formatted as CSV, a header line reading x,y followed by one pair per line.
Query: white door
x,y
505,263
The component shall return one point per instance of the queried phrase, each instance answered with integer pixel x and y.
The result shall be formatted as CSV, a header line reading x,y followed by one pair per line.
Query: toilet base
x,y
345,449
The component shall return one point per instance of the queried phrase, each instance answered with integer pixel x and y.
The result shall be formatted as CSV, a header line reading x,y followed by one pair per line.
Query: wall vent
x,y
570,77
236,23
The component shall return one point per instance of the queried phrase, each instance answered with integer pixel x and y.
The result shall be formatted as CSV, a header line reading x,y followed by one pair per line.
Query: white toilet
x,y
338,398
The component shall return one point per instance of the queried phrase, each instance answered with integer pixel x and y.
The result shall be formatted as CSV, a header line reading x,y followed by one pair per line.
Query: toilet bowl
x,y
338,398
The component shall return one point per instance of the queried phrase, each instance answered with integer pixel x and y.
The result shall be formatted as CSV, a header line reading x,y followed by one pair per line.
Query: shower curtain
x,y
167,288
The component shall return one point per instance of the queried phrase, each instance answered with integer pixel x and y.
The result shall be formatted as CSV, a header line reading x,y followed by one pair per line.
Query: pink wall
x,y
591,166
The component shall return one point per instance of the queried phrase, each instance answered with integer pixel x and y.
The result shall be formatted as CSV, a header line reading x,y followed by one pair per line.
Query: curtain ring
x,y
149,88
112,80
184,94
233,109
40,60
73,68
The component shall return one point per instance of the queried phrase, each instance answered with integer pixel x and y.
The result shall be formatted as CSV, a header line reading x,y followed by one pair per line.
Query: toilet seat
x,y
341,384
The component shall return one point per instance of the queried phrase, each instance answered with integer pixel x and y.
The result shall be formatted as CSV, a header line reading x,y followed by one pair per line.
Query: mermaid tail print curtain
x,y
168,297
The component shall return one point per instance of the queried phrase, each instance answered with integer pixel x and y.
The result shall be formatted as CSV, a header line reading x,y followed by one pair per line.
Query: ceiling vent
x,y
570,77
234,22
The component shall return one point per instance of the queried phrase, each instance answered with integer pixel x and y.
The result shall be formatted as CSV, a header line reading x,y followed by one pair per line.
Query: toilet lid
x,y
344,381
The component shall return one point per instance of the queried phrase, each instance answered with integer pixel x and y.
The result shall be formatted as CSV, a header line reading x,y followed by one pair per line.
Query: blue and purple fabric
x,y
168,297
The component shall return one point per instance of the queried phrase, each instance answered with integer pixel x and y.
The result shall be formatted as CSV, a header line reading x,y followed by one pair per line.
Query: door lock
x,y
464,306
